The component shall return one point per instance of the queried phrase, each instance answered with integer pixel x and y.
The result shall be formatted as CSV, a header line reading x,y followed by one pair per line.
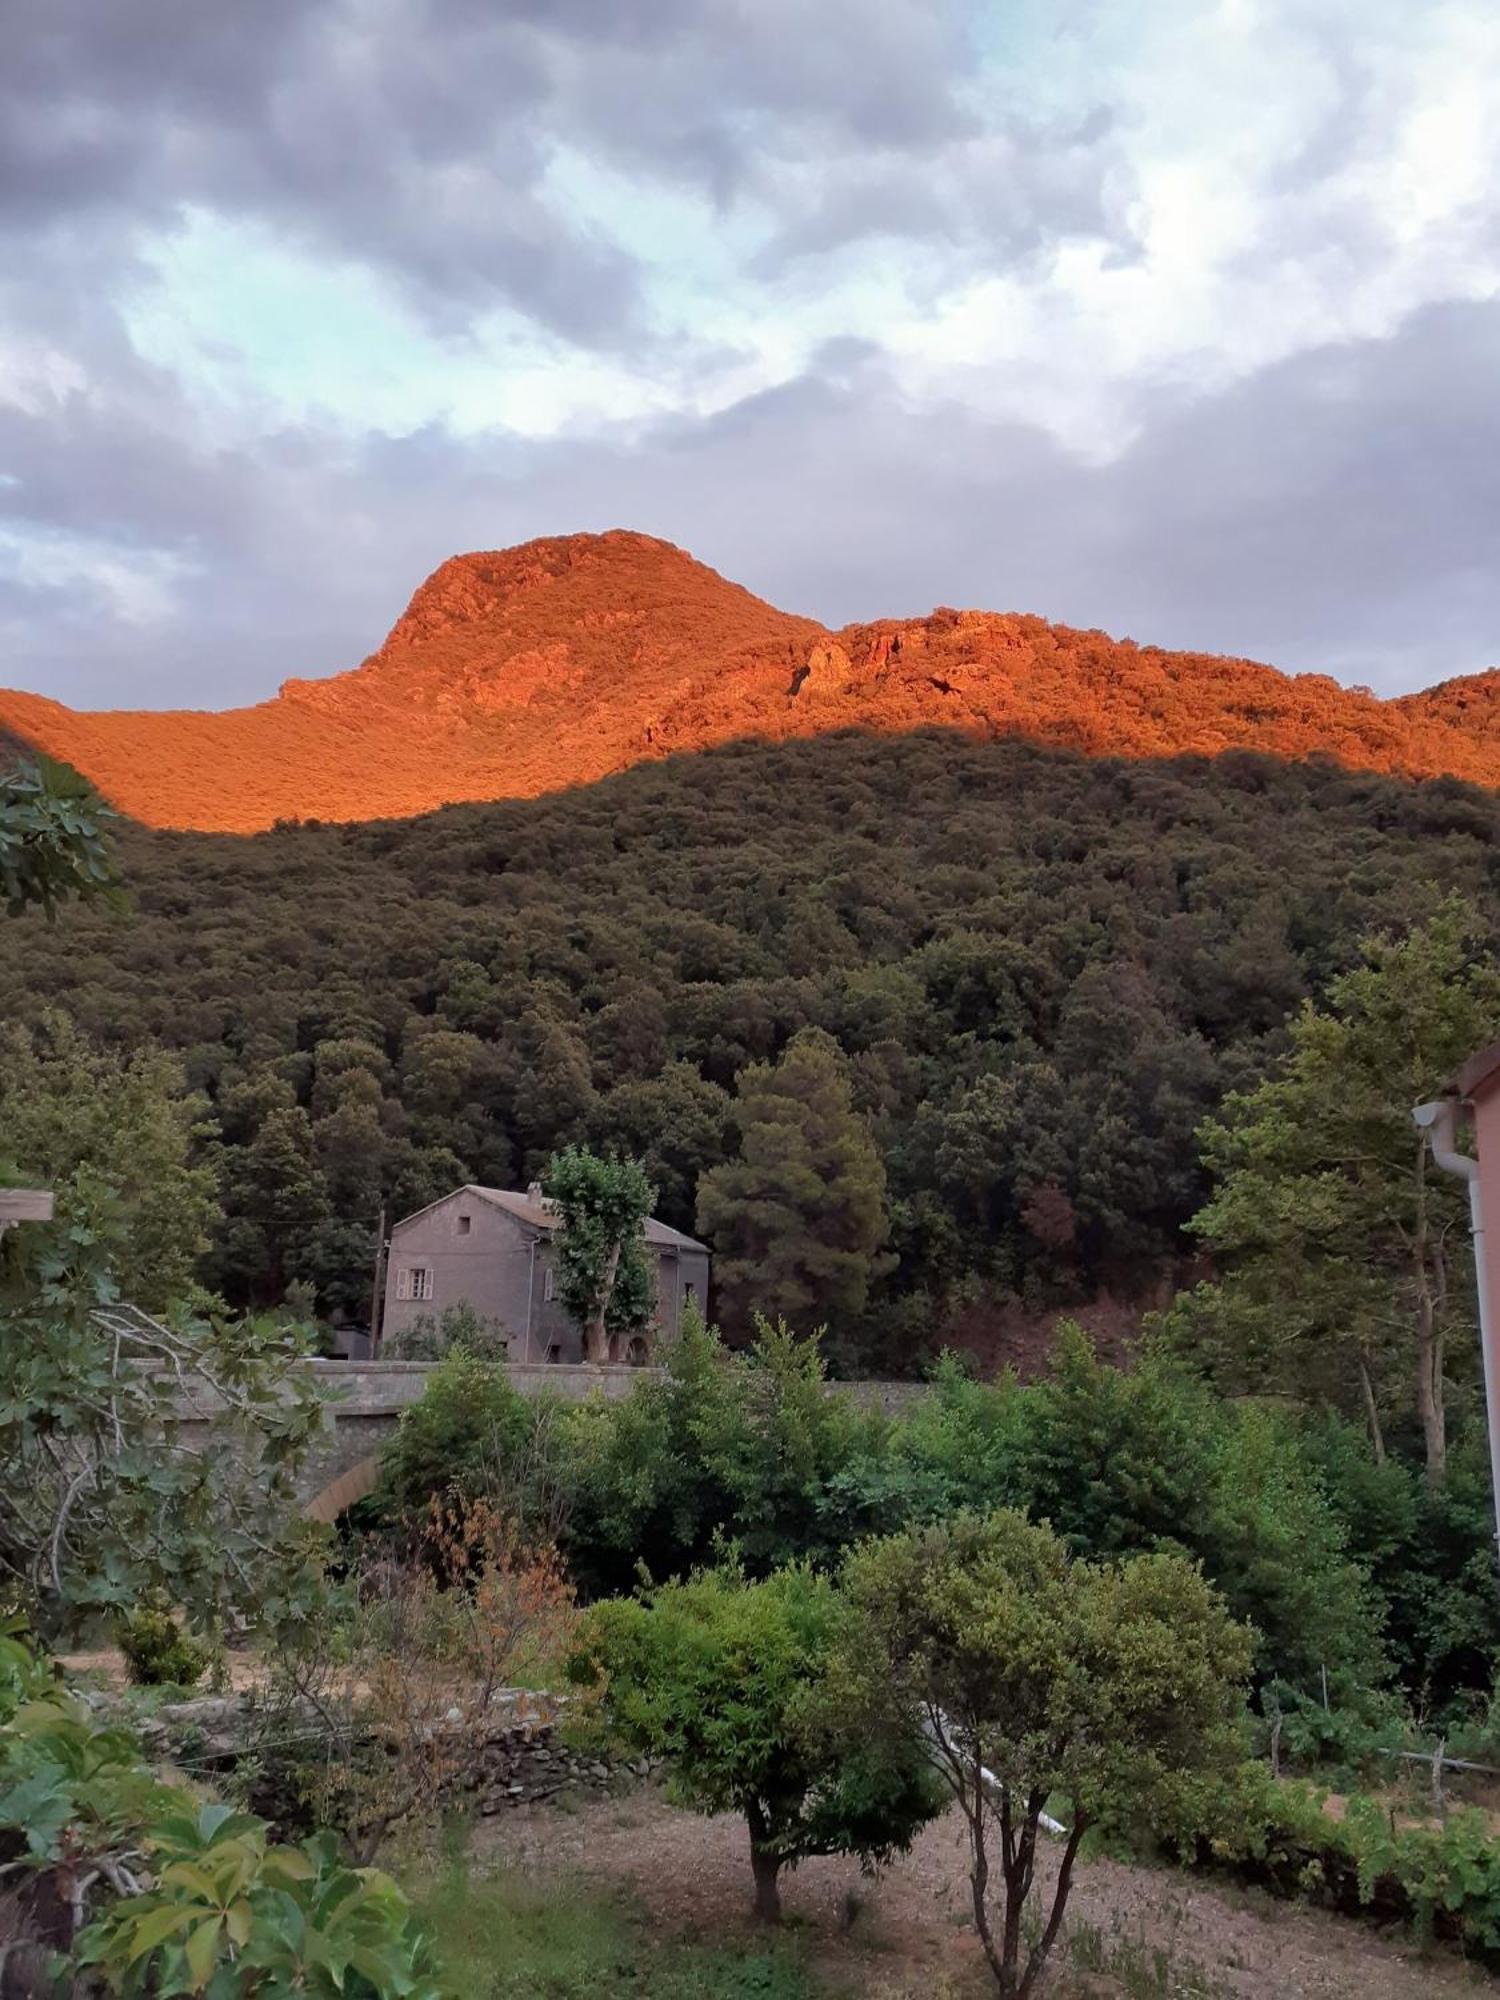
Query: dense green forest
x,y
1034,976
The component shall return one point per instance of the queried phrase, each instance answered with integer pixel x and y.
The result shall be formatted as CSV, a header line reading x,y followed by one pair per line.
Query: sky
x,y
1180,318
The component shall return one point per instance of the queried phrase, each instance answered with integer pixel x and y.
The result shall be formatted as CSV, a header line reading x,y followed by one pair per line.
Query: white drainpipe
x,y
1439,1120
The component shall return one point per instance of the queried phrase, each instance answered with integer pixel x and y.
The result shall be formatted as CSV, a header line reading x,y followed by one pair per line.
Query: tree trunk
x,y
1038,1959
1372,1412
1429,1393
595,1337
765,1865
1003,1966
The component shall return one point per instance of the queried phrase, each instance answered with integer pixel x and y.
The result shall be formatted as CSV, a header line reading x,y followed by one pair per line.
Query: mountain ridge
x,y
519,671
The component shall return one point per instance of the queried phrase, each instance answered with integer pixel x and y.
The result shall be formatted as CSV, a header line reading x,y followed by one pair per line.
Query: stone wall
x,y
524,1759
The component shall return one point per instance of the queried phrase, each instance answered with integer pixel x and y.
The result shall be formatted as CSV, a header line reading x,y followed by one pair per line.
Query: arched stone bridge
x,y
364,1401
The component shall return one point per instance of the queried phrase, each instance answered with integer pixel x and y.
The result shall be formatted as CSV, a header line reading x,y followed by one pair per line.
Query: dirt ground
x,y
908,1935
104,1666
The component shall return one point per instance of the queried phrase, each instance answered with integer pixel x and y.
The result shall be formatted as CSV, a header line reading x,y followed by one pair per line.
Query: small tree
x,y
469,1422
409,1691
604,1277
722,1678
1037,1678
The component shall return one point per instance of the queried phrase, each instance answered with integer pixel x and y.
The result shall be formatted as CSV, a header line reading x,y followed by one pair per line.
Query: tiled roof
x,y
539,1215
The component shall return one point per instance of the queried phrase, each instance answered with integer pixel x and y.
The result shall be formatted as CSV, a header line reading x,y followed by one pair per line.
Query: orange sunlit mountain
x,y
555,663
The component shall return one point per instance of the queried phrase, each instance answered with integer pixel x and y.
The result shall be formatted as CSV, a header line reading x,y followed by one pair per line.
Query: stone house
x,y
495,1250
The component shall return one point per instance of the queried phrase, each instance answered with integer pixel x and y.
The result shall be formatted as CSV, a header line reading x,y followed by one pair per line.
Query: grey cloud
x,y
1334,513
417,135
1002,196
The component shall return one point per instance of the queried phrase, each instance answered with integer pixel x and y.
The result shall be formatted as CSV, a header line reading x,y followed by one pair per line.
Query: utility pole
x,y
377,1289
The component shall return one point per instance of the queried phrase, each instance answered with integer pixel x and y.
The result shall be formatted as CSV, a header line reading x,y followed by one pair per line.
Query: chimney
x,y
535,1196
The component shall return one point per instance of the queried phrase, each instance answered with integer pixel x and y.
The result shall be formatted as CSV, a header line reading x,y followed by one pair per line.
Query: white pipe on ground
x,y
1439,1120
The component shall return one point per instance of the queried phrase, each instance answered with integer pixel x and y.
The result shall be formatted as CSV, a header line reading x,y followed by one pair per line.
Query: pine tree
x,y
798,1220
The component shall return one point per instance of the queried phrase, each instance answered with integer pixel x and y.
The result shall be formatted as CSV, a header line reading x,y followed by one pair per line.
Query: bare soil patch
x,y
908,1935
105,1666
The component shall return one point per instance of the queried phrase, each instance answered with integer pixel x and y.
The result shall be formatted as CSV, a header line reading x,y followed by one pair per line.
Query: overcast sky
x,y
1177,317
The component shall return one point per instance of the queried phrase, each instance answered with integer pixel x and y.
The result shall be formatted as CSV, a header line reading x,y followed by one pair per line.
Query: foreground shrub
x,y
158,1653
1443,1879
85,1825
104,1503
410,1684
235,1915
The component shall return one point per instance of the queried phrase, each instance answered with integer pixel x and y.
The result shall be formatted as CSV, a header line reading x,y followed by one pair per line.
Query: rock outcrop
x,y
524,670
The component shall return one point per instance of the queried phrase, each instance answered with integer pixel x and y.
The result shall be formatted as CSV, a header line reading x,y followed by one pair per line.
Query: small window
x,y
463,1224
690,1295
419,1282
547,1284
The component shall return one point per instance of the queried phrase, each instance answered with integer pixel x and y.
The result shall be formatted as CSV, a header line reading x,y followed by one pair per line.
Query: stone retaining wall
x,y
525,1764
523,1761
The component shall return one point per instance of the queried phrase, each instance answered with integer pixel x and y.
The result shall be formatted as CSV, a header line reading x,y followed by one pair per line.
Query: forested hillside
x,y
1040,973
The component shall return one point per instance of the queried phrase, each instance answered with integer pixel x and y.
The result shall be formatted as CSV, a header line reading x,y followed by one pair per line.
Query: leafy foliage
x,y
409,1684
228,1913
604,1275
458,1439
54,839
1336,1232
103,1501
749,1448
1116,1687
722,1678
236,1915
75,1113
1443,1878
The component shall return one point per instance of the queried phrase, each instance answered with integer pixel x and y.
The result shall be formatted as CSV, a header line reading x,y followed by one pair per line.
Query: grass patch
x,y
504,1938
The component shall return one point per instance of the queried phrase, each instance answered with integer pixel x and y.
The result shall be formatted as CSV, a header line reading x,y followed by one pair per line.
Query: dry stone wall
x,y
525,1758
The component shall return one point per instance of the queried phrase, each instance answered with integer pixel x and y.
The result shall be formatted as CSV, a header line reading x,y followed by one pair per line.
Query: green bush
x,y
1442,1879
158,1653
236,1915
85,1824
429,1337
469,1427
